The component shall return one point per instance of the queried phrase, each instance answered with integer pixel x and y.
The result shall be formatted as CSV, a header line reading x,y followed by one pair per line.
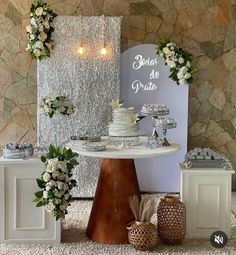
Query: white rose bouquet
x,y
57,105
56,181
40,30
178,60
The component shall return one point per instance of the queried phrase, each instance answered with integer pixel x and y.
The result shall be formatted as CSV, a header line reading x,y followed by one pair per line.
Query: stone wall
x,y
207,28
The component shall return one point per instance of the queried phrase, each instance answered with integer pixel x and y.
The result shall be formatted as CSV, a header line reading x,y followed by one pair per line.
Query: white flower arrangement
x,y
178,60
56,181
57,105
40,30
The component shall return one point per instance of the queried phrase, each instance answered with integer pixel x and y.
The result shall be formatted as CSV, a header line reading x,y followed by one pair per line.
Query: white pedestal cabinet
x,y
20,219
206,194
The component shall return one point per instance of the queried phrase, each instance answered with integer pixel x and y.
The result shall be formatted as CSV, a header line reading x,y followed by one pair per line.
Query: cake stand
x,y
117,182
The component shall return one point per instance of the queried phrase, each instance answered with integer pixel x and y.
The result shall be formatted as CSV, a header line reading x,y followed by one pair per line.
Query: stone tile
x,y
199,33
16,77
203,62
229,111
5,119
229,59
163,5
224,13
151,38
9,42
22,63
51,2
192,46
8,105
12,133
213,51
153,24
132,43
230,39
27,96
183,23
231,147
217,99
170,16
204,91
213,128
216,115
204,112
22,119
4,6
138,21
193,105
15,89
231,85
234,122
23,6
64,8
233,11
8,57
219,81
224,138
13,14
135,34
218,34
97,6
198,128
144,8
30,137
32,109
197,141
34,122
5,75
6,25
227,126
115,8
210,15
76,3
165,30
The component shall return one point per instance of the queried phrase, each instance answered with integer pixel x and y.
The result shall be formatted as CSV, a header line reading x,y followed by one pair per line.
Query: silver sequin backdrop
x,y
91,81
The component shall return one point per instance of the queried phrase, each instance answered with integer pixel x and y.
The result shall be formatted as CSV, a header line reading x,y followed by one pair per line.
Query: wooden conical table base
x,y
110,212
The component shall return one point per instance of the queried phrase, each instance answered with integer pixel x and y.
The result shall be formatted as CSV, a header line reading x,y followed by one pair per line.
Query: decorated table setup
x,y
90,144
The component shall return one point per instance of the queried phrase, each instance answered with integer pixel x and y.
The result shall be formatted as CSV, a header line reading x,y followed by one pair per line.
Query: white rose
x,y
53,161
49,207
66,196
66,187
46,24
171,63
37,52
46,176
45,194
51,183
182,81
187,76
60,185
42,36
29,29
32,37
39,11
161,55
48,188
181,60
183,70
39,44
188,64
60,193
32,22
167,51
62,165
41,28
51,168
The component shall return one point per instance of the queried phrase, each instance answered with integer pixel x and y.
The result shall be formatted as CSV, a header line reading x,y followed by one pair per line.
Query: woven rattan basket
x,y
142,235
171,226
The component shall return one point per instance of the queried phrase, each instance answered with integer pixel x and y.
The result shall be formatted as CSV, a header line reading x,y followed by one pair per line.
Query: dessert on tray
x,y
152,109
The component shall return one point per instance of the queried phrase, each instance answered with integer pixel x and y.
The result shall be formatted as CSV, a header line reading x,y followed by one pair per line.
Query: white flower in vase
x,y
37,52
33,22
45,194
64,205
39,44
181,60
66,196
39,11
187,76
29,29
51,183
171,63
167,51
42,36
62,165
50,207
48,187
182,82
56,175
60,185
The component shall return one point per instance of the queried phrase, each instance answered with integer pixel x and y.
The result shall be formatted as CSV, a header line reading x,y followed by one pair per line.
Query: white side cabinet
x,y
206,194
20,219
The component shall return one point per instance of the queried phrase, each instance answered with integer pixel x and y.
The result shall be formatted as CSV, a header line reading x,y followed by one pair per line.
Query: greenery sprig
x,y
56,181
179,61
40,30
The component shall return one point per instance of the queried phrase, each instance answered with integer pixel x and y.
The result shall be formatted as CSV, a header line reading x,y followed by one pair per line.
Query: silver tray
x,y
17,154
207,163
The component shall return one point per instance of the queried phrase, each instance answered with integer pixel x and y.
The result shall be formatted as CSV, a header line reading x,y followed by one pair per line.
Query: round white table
x,y
117,182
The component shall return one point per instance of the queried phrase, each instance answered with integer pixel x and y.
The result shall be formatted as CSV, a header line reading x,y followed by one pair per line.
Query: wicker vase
x,y
171,220
142,235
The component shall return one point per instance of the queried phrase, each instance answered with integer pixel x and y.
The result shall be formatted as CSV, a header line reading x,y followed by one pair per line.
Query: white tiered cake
x,y
124,123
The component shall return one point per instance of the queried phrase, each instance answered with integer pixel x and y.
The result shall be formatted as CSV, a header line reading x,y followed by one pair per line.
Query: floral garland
x,y
56,181
57,105
178,60
40,30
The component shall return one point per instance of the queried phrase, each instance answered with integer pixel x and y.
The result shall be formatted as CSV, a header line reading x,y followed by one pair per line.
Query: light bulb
x,y
81,50
104,51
